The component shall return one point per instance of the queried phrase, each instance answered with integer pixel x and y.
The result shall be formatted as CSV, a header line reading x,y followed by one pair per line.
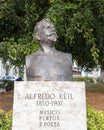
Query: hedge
x,y
5,120
86,79
95,119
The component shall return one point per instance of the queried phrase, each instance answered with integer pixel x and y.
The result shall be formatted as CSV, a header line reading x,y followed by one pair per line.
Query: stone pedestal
x,y
49,105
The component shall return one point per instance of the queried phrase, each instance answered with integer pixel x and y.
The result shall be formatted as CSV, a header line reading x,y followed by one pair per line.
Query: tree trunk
x,y
102,76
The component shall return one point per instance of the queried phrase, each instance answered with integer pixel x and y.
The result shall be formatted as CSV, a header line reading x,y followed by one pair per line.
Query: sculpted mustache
x,y
52,34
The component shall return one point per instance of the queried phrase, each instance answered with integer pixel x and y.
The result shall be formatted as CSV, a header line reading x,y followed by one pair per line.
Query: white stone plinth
x,y
49,105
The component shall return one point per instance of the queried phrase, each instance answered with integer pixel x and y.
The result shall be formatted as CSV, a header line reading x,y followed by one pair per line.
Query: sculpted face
x,y
45,31
48,32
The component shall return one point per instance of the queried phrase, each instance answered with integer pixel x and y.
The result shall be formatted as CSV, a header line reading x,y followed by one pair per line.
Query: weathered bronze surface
x,y
48,63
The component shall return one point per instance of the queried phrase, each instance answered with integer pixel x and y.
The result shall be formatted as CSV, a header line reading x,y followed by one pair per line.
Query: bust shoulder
x,y
64,55
29,57
52,54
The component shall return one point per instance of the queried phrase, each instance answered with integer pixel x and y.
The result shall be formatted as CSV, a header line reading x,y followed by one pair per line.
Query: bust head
x,y
45,32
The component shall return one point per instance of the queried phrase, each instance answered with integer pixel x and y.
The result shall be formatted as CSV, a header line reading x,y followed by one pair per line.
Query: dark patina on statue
x,y
48,63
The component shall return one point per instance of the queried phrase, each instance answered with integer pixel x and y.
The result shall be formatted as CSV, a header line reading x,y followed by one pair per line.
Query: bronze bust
x,y
48,63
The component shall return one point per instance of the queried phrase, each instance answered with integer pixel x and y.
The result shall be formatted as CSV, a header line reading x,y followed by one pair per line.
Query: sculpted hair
x,y
39,26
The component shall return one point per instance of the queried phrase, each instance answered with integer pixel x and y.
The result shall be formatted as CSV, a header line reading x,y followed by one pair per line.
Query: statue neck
x,y
46,47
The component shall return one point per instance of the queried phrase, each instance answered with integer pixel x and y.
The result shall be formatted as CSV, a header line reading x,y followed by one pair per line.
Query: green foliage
x,y
98,87
5,120
79,24
78,29
95,119
11,19
16,36
86,79
15,52
8,85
